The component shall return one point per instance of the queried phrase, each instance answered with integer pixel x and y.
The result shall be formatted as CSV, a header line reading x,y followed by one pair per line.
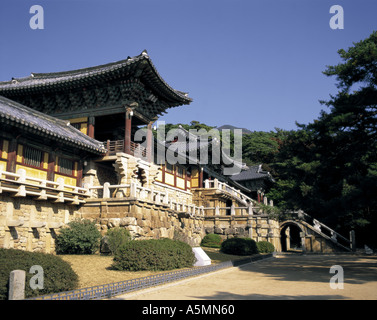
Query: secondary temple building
x,y
80,144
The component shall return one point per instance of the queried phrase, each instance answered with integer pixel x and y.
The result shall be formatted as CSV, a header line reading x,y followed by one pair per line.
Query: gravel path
x,y
282,277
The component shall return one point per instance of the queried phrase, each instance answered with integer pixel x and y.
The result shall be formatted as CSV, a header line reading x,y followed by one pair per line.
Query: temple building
x,y
256,180
81,144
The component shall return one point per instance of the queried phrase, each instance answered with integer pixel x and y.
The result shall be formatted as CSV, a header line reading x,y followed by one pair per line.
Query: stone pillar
x,y
17,285
288,238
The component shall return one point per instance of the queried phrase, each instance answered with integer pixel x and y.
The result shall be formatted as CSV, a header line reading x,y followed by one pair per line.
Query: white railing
x,y
232,210
216,184
138,192
326,231
21,185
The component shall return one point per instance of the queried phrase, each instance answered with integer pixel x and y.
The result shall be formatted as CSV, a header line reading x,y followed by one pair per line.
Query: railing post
x,y
60,187
106,190
217,211
250,209
216,183
133,189
22,173
60,182
206,184
166,198
88,192
22,179
232,210
352,240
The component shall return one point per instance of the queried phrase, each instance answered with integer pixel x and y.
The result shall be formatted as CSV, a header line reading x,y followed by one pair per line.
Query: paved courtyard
x,y
282,277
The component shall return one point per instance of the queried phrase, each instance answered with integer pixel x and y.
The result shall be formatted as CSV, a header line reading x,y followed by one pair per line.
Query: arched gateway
x,y
302,233
292,236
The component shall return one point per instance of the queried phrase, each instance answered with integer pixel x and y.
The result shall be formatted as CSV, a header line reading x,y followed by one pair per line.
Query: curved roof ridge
x,y
48,80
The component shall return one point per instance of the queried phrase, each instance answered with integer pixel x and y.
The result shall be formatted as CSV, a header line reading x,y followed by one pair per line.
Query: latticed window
x,y
65,166
32,157
76,125
180,171
169,167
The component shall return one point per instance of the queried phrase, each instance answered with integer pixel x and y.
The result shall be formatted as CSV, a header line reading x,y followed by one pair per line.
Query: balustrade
x,y
21,185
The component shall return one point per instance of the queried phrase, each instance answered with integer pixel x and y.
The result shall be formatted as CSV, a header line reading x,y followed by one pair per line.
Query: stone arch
x,y
292,236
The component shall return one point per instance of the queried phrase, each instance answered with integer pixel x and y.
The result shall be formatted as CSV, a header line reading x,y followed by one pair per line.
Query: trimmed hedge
x,y
164,254
58,274
239,246
80,237
211,241
116,237
265,247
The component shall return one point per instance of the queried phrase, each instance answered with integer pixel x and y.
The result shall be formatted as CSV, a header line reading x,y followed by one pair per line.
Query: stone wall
x,y
258,228
32,225
144,220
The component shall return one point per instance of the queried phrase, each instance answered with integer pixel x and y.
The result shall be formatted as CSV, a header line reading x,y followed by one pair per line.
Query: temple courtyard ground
x,y
284,277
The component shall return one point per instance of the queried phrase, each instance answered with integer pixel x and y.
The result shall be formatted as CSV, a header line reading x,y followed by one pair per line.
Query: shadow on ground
x,y
233,296
316,268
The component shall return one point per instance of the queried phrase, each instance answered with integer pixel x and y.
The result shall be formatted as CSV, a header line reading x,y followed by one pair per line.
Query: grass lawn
x,y
96,269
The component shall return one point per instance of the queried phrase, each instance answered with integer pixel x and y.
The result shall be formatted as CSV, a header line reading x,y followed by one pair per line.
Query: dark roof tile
x,y
57,129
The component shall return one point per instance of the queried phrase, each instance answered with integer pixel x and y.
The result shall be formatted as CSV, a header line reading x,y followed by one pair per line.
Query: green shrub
x,y
80,237
265,247
211,241
239,246
58,275
116,237
164,254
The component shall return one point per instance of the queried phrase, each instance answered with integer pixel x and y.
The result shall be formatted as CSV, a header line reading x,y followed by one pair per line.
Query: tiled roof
x,y
253,173
190,142
44,125
55,81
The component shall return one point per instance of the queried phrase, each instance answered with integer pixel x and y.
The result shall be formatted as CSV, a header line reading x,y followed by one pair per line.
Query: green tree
x,y
261,147
329,167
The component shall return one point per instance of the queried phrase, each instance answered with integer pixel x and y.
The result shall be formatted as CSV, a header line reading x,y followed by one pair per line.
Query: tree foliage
x,y
328,167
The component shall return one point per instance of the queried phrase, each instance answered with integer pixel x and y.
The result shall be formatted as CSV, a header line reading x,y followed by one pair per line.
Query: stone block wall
x,y
31,225
258,228
144,220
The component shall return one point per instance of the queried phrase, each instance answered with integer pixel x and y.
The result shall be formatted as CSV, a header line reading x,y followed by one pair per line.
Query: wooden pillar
x,y
149,142
200,177
51,166
79,174
12,155
127,131
91,122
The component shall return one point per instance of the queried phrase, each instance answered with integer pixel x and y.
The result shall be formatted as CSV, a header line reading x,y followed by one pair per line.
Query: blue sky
x,y
252,64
